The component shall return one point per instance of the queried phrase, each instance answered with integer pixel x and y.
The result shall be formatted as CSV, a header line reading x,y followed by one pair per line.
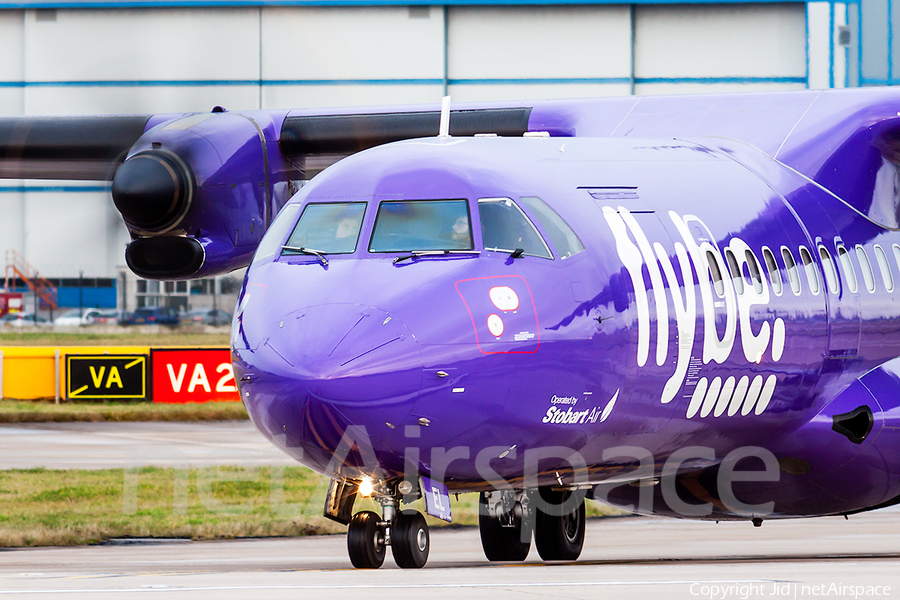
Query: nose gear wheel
x,y
410,542
365,540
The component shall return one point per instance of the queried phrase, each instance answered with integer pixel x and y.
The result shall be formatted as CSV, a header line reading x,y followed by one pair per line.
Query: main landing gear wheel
x,y
410,541
499,542
365,541
559,536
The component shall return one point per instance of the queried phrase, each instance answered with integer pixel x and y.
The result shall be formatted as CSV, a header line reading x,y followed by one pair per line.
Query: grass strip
x,y
43,507
43,411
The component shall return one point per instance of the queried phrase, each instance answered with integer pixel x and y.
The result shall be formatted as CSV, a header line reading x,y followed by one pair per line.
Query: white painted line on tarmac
x,y
412,586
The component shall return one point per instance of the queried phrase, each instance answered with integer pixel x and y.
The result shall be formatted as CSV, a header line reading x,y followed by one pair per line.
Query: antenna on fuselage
x,y
444,129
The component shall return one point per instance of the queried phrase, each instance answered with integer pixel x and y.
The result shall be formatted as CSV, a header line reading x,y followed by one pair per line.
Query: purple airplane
x,y
684,306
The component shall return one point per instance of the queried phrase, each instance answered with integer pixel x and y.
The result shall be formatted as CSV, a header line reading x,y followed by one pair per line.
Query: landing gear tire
x,y
502,543
410,542
365,540
559,536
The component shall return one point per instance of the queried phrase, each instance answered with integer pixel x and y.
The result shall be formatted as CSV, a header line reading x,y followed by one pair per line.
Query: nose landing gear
x,y
406,532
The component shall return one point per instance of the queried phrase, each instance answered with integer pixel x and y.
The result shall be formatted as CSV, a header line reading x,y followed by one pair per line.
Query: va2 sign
x,y
193,375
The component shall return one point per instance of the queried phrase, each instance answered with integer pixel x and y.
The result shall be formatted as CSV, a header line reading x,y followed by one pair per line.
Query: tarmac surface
x,y
124,445
628,558
623,557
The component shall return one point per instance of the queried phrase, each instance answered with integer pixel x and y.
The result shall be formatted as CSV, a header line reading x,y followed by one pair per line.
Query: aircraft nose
x,y
358,359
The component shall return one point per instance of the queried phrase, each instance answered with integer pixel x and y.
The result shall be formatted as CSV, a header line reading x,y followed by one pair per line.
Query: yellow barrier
x,y
30,373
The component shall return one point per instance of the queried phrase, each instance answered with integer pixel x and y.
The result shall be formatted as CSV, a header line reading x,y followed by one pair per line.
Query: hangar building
x,y
149,56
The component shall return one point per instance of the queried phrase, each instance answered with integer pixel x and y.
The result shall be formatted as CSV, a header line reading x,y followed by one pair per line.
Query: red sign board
x,y
193,375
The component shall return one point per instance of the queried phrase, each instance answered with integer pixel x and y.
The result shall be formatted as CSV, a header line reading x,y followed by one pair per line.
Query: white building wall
x,y
12,65
720,48
70,232
190,59
151,60
345,56
140,60
820,38
509,52
841,57
827,57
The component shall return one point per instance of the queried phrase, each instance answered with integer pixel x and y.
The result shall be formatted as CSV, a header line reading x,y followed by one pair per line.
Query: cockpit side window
x,y
274,237
422,226
329,228
505,228
566,242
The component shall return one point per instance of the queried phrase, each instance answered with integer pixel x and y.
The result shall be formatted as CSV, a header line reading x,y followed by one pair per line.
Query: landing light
x,y
366,487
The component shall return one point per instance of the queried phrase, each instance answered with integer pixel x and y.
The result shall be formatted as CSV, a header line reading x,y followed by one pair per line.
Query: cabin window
x,y
505,228
866,268
735,270
273,240
885,267
564,239
774,273
896,248
847,268
422,225
791,267
755,275
715,273
329,228
831,278
809,265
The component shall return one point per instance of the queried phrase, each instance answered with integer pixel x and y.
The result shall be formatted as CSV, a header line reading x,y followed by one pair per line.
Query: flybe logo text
x,y
737,307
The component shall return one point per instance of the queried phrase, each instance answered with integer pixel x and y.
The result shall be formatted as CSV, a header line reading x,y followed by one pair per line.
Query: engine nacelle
x,y
197,193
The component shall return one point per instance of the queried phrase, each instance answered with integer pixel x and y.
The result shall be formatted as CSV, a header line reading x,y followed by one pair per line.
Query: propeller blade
x,y
83,148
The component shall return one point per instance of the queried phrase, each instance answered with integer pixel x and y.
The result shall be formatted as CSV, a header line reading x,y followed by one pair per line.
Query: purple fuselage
x,y
730,294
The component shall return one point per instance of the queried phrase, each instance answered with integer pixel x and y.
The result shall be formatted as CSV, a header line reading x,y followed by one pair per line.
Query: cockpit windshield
x,y
327,228
566,242
422,225
505,228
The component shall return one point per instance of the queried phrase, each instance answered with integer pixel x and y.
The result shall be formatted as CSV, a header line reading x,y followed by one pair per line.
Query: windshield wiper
x,y
421,253
517,253
310,251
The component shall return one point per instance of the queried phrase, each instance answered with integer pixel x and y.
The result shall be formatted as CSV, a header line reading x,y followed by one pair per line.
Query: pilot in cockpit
x,y
460,231
347,227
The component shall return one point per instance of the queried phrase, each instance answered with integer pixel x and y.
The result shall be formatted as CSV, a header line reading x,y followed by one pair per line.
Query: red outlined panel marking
x,y
503,314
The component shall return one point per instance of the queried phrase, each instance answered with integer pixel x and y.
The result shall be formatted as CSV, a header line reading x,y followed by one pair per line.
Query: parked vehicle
x,y
24,319
206,316
155,315
111,316
85,316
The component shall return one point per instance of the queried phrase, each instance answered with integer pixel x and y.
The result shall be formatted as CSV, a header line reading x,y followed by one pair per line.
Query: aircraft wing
x,y
197,191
